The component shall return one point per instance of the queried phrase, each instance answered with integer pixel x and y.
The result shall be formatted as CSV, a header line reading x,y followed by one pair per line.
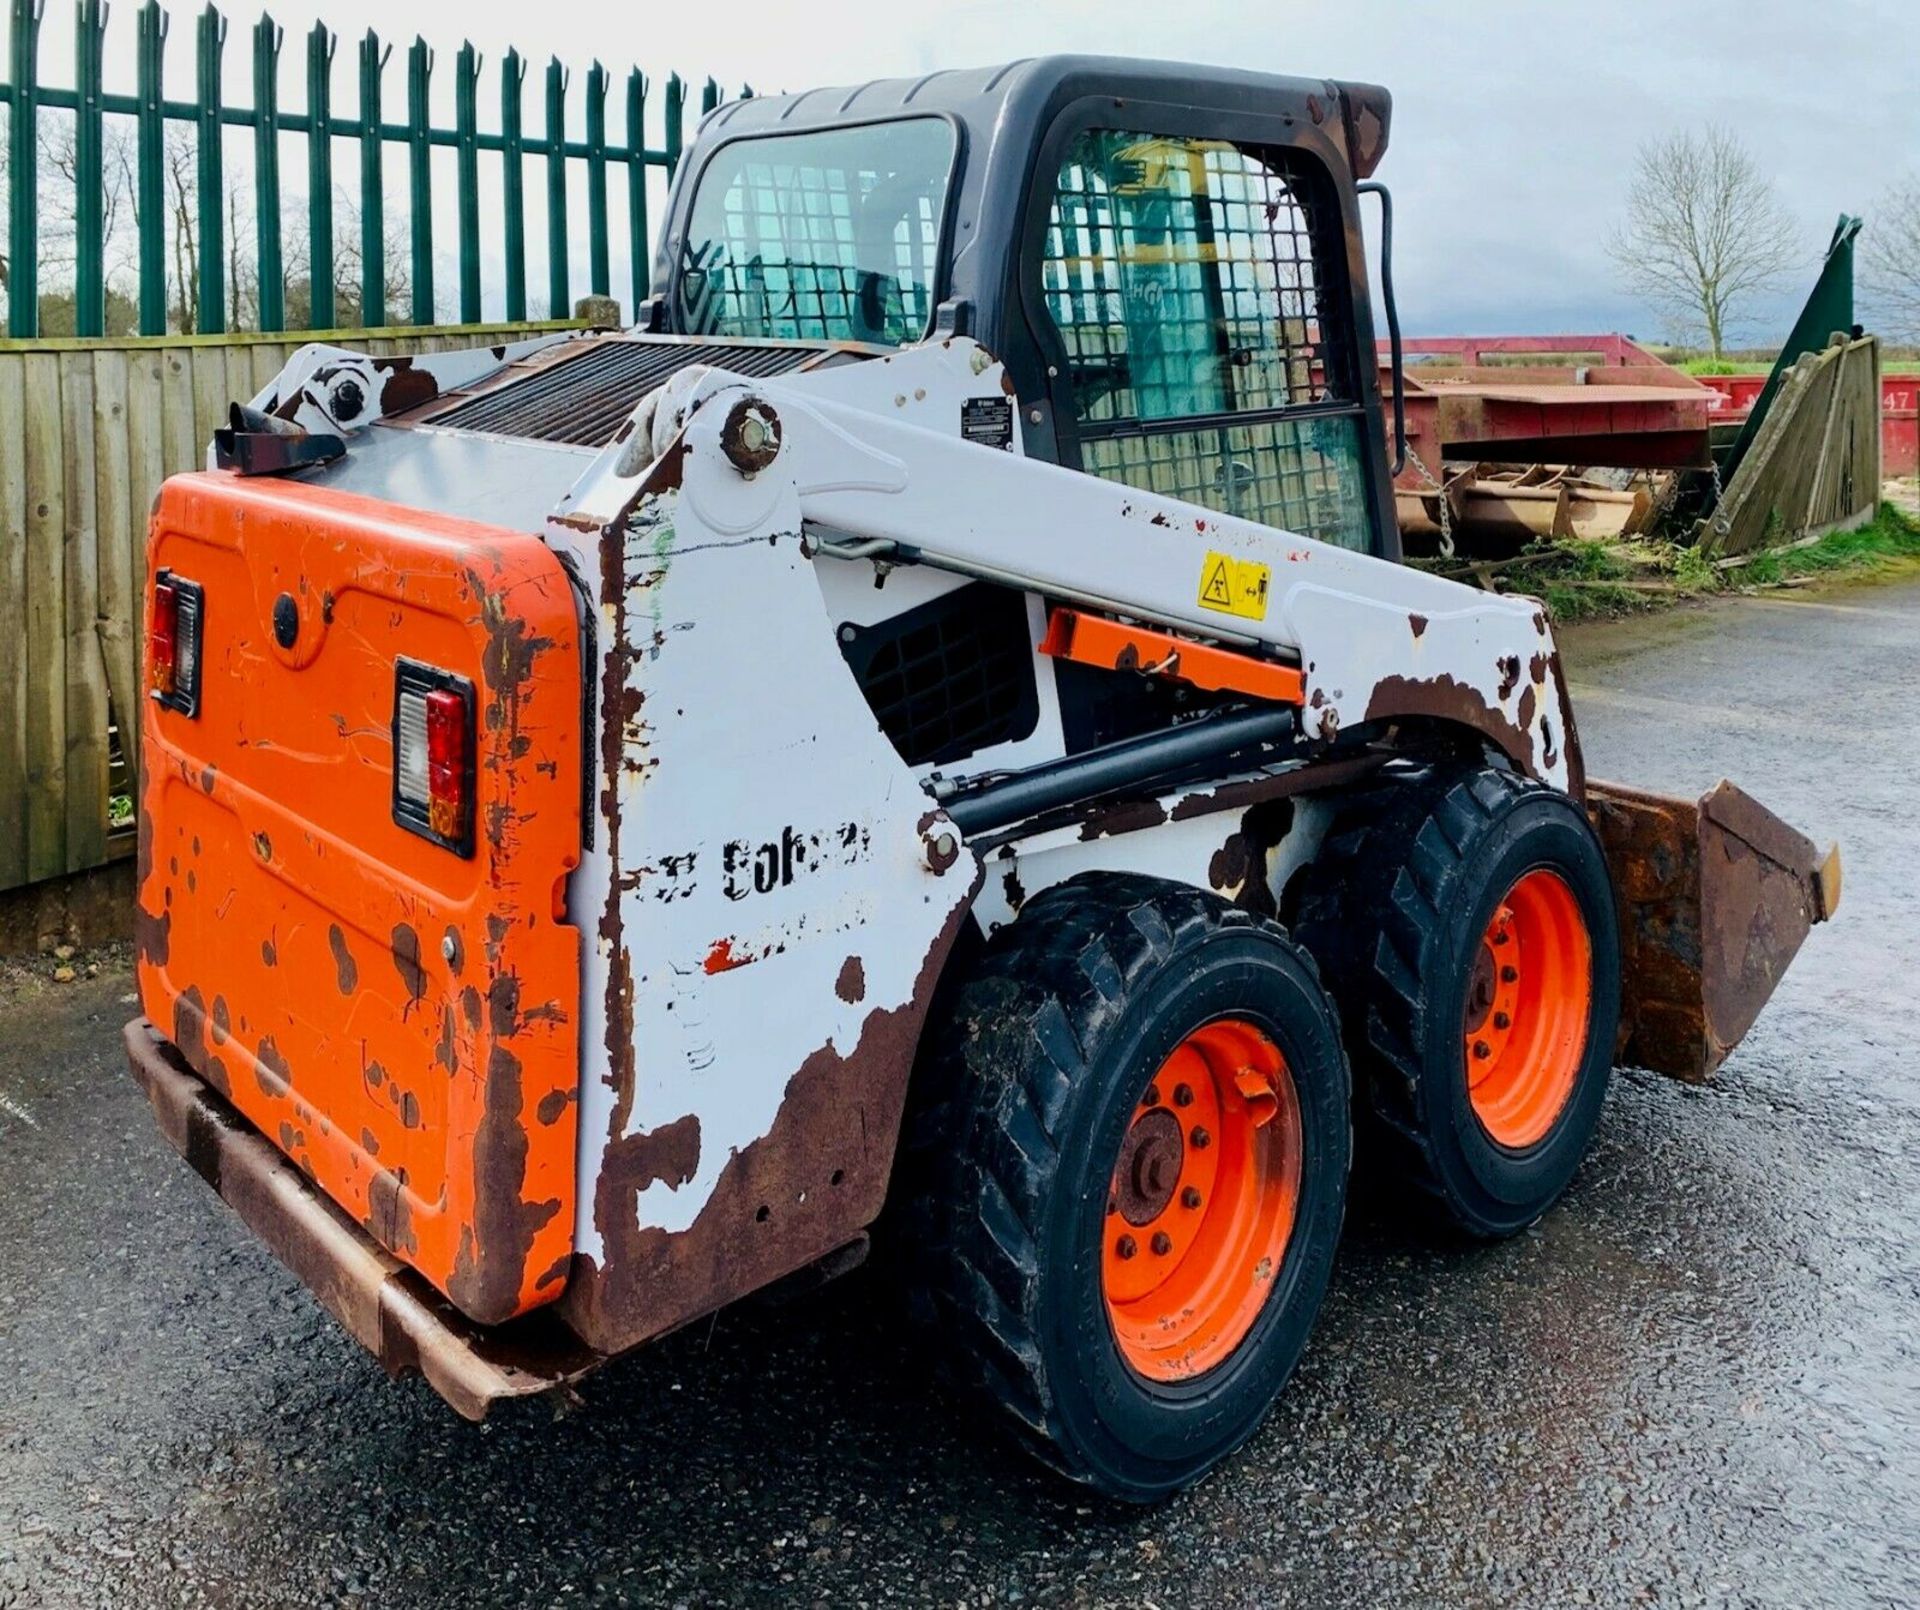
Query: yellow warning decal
x,y
1234,586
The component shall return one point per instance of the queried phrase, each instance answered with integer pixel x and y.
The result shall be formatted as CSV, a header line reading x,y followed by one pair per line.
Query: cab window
x,y
825,236
1195,286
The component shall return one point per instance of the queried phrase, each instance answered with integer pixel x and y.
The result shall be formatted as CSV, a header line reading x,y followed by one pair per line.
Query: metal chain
x,y
1446,513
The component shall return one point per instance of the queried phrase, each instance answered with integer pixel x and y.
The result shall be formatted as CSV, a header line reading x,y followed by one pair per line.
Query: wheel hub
x,y
1205,1183
1149,1171
1524,1019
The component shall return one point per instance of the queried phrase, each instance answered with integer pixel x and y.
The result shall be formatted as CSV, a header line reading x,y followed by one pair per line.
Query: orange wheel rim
x,y
1529,1002
1202,1201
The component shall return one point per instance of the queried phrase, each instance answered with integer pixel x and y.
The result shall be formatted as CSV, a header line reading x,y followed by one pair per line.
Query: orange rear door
x,y
397,1015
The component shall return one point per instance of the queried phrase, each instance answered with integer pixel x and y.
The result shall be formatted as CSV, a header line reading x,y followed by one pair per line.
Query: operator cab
x,y
1167,259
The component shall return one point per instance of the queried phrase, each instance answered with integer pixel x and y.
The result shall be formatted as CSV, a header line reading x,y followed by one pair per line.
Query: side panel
x,y
771,912
398,1020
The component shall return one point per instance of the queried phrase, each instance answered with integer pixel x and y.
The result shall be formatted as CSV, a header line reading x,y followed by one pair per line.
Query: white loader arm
x,y
1374,640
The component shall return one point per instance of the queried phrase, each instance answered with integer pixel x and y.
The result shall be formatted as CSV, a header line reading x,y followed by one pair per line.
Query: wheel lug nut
x,y
1200,1138
1502,1021
1509,973
1125,1247
1190,1197
1500,936
1162,1243
1482,1050
1152,1097
1183,1095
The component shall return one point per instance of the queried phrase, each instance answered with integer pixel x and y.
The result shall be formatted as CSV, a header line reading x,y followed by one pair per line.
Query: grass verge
x,y
1585,580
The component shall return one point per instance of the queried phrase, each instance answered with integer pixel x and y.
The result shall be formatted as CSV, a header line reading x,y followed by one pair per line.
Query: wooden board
x,y
88,431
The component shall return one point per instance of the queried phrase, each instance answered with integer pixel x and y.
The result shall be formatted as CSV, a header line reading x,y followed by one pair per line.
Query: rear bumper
x,y
388,1308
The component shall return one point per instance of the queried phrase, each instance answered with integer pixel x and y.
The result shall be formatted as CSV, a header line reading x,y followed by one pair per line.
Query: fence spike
x,y
150,135
23,172
373,195
210,288
639,240
321,44
89,172
559,301
420,177
466,100
267,40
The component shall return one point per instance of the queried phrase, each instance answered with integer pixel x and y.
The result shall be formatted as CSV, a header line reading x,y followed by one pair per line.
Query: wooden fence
x,y
1814,463
88,430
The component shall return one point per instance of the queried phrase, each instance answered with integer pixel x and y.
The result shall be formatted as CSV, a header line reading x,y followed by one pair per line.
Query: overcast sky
x,y
1514,123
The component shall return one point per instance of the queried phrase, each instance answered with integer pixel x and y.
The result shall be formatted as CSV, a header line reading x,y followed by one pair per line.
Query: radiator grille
x,y
583,400
951,677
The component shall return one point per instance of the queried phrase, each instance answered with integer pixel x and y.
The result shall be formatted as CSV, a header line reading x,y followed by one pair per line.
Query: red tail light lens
x,y
433,770
163,629
173,642
447,769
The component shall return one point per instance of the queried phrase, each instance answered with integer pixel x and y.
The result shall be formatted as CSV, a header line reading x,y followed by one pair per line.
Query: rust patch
x,y
222,1022
553,1106
851,985
1227,869
209,777
1127,816
152,936
810,1184
443,1051
270,1064
263,846
189,1034
491,1261
1446,698
1509,667
406,961
390,1213
409,1110
369,1143
345,973
1418,624
405,385
269,956
668,1155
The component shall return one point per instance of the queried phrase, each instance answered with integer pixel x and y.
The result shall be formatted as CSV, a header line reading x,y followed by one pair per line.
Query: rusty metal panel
x,y
1715,898
400,1019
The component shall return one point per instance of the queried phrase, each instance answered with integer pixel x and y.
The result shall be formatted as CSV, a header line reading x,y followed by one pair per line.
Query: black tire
x,y
1026,1091
1394,907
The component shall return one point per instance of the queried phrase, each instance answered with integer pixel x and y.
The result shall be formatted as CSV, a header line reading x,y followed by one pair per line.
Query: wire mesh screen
x,y
1183,278
1302,475
830,236
1188,280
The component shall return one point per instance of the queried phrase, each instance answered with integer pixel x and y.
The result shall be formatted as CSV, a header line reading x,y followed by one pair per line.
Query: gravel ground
x,y
1697,1381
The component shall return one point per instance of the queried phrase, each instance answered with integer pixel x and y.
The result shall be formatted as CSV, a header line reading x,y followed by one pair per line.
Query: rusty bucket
x,y
1715,896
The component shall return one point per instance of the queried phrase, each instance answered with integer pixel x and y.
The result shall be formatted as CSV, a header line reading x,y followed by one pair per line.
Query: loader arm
x,y
1373,641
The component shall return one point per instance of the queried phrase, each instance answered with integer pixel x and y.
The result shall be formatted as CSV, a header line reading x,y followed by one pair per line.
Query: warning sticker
x,y
1234,586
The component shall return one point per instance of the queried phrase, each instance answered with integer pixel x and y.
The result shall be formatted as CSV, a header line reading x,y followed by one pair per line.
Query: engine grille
x,y
583,400
950,677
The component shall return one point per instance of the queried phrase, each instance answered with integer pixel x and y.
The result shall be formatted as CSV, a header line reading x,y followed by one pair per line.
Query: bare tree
x,y
1704,231
1891,248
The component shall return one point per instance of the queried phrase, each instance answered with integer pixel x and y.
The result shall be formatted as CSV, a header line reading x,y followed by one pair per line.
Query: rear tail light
x,y
433,755
173,643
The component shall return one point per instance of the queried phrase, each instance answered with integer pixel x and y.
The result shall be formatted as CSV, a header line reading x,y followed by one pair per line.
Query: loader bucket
x,y
1714,897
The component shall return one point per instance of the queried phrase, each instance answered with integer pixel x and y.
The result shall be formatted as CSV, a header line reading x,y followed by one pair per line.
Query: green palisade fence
x,y
25,97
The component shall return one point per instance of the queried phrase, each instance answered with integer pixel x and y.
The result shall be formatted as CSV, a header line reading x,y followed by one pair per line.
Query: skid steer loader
x,y
930,719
